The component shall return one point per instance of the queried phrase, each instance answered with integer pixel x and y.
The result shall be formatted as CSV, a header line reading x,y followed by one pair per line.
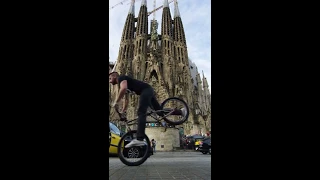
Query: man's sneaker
x,y
135,142
183,112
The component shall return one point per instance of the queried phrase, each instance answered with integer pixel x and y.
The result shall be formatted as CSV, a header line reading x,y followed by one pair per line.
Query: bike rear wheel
x,y
129,155
176,104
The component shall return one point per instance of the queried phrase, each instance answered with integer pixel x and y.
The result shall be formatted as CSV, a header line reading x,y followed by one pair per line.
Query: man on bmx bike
x,y
147,99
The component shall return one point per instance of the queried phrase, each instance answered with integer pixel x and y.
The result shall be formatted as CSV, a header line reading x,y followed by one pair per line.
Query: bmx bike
x,y
137,155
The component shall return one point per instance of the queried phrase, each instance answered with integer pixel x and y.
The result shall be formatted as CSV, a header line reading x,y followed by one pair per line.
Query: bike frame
x,y
128,123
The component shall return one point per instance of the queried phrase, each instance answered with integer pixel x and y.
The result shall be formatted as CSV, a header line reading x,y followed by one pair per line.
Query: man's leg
x,y
156,106
144,103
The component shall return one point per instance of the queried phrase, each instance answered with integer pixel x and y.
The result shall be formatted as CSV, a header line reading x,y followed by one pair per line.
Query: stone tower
x,y
167,49
181,54
163,62
140,43
126,49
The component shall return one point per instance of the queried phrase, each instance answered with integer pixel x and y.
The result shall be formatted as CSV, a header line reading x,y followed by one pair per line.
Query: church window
x,y
136,47
120,50
124,51
146,65
154,74
140,28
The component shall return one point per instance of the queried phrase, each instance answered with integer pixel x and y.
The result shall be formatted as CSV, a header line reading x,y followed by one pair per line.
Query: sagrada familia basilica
x,y
162,61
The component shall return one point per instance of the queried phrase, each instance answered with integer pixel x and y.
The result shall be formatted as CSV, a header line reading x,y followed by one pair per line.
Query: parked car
x,y
114,138
193,142
197,143
205,146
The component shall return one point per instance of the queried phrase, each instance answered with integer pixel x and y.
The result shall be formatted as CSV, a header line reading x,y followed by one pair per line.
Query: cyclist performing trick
x,y
147,99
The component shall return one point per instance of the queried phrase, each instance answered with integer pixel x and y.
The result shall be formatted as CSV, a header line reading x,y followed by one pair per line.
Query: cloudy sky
x,y
196,19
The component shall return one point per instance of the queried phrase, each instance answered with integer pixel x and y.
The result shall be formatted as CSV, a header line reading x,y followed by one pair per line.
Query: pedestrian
x,y
192,141
153,144
184,142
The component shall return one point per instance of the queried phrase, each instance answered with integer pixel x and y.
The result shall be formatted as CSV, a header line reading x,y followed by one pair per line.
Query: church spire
x,y
176,9
166,26
140,42
205,82
165,3
144,3
203,75
142,20
125,55
179,35
131,9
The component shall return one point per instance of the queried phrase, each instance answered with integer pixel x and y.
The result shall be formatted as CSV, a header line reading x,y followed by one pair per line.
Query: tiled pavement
x,y
164,165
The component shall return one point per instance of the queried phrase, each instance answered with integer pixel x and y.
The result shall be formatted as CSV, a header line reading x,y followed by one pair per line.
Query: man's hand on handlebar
x,y
122,113
115,105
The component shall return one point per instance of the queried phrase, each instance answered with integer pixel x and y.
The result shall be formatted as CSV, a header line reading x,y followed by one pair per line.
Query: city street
x,y
164,165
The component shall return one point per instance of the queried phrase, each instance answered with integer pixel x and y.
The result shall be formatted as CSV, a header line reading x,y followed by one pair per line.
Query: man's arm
x,y
125,102
123,89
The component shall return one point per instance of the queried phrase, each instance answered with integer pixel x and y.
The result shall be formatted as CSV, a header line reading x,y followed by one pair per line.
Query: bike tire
x,y
143,159
176,122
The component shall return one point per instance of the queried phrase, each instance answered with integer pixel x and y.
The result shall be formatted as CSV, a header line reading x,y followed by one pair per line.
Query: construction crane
x,y
130,3
154,10
119,4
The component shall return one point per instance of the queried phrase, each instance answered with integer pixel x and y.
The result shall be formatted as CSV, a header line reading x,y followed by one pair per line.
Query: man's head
x,y
113,78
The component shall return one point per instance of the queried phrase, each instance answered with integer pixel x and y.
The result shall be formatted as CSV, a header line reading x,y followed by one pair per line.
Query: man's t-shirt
x,y
133,84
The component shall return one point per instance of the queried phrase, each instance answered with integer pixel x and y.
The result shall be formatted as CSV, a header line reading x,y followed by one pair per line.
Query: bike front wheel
x,y
176,110
136,155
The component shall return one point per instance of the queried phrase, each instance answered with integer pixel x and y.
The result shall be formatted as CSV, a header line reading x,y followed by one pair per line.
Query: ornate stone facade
x,y
162,61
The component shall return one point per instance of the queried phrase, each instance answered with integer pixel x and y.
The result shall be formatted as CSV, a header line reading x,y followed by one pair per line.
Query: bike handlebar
x,y
116,107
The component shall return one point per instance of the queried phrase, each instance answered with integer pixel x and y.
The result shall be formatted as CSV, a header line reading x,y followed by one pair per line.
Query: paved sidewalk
x,y
164,165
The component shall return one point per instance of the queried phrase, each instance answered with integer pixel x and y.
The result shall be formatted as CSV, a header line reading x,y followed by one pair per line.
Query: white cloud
x,y
196,19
